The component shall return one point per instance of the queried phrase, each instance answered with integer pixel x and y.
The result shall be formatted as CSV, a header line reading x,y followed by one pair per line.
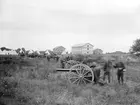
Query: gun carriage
x,y
79,74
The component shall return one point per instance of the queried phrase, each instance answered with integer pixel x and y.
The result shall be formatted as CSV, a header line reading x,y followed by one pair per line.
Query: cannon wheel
x,y
80,74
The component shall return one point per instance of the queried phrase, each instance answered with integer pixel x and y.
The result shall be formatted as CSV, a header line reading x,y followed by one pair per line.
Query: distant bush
x,y
70,63
93,58
79,57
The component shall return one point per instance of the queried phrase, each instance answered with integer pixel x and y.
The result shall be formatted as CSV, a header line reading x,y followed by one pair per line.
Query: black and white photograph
x,y
69,52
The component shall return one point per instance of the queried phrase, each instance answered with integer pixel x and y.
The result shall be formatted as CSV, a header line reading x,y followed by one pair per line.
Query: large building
x,y
85,48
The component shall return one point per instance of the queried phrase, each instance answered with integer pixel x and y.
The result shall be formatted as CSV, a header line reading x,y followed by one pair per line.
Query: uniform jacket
x,y
120,66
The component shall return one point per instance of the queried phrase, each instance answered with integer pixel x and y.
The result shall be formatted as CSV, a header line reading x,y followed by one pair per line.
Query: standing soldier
x,y
107,70
57,58
62,63
120,71
96,71
48,58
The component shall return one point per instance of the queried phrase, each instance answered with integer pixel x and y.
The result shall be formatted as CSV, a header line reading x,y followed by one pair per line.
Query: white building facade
x,y
85,48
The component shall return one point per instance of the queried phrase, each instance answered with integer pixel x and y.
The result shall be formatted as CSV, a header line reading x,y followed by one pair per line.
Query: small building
x,y
85,48
30,52
12,52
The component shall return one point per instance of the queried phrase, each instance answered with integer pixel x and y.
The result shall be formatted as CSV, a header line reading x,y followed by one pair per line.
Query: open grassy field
x,y
39,84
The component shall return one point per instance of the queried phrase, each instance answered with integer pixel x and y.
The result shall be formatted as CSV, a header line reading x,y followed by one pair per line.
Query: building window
x,y
87,48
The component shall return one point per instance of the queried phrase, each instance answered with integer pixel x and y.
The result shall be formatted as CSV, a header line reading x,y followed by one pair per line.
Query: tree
x,y
79,57
23,49
23,52
58,50
3,48
98,51
135,48
18,50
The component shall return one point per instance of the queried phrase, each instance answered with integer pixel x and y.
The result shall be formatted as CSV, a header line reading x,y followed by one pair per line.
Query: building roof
x,y
31,51
38,52
47,52
80,45
13,52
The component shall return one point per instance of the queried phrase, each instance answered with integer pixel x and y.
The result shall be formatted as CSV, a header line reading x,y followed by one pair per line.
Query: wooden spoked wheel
x,y
80,74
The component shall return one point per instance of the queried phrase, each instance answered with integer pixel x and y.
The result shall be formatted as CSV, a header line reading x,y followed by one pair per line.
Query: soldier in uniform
x,y
96,70
107,70
62,63
120,71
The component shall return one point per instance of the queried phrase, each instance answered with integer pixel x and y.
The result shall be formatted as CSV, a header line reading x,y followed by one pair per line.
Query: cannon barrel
x,y
62,70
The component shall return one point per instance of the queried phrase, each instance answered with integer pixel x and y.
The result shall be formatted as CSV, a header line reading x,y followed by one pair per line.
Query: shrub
x,y
93,58
8,86
70,63
79,57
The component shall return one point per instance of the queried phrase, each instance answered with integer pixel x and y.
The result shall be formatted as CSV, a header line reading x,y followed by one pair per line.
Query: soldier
x,y
48,58
62,63
96,70
120,71
57,58
107,70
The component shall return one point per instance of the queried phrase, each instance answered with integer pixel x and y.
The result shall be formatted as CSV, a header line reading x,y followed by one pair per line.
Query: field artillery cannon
x,y
79,74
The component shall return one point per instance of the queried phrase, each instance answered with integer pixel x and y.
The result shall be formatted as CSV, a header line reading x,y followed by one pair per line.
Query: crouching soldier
x,y
96,71
120,71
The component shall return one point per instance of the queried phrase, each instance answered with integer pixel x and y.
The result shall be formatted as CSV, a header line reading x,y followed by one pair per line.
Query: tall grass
x,y
40,85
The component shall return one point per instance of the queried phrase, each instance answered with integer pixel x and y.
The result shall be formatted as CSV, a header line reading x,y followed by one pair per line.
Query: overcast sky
x,y
111,25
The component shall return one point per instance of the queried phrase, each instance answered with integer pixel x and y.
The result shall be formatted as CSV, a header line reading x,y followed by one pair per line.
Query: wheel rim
x,y
80,74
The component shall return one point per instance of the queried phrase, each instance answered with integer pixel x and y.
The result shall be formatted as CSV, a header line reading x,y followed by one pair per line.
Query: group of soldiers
x,y
108,67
